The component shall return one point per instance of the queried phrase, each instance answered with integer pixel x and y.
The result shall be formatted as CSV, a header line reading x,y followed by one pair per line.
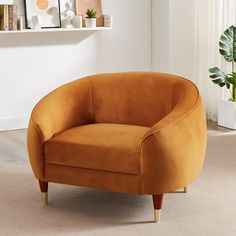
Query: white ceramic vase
x,y
227,114
77,21
90,22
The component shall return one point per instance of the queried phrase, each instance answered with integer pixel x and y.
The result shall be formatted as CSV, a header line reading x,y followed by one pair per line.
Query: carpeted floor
x,y
208,209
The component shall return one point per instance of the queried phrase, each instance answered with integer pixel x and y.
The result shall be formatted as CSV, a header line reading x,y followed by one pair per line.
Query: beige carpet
x,y
208,209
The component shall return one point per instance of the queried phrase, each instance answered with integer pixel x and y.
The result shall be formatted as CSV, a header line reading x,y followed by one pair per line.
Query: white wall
x,y
182,28
31,65
160,35
173,36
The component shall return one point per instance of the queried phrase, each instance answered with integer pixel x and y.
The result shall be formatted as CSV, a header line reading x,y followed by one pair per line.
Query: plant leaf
x,y
214,70
217,81
221,84
218,76
227,44
91,13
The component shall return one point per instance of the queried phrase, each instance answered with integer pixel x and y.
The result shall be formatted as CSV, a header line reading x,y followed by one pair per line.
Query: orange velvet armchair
x,y
138,133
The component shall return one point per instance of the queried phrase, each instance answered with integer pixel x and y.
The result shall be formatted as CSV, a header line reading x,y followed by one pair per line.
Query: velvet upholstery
x,y
106,180
137,132
109,147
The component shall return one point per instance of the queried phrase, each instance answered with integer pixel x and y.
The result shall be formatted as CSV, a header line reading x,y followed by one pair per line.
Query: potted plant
x,y
90,20
227,107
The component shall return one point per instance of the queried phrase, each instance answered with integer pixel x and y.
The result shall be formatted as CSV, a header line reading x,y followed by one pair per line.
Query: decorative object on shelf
x,y
8,17
20,23
77,22
68,15
47,10
96,5
35,23
107,20
227,107
12,17
91,20
4,17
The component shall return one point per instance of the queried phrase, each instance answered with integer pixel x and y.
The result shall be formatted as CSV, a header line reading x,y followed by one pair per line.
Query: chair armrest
x,y
66,107
173,150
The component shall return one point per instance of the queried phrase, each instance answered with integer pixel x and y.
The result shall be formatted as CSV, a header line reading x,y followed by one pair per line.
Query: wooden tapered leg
x,y
186,188
44,191
157,203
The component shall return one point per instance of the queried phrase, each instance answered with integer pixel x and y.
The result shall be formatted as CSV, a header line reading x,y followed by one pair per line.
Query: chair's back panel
x,y
132,98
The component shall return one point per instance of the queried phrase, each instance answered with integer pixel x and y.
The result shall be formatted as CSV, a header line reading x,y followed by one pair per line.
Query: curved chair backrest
x,y
138,98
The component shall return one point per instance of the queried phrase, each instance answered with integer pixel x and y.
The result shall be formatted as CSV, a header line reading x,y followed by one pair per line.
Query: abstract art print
x,y
47,11
96,5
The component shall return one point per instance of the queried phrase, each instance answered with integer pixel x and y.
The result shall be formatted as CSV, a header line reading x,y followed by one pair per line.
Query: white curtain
x,y
212,18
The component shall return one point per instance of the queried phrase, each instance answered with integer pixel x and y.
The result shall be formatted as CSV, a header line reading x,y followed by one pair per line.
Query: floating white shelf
x,y
55,30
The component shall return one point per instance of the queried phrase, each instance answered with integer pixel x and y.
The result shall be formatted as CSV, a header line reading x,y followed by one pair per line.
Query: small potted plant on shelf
x,y
227,107
90,20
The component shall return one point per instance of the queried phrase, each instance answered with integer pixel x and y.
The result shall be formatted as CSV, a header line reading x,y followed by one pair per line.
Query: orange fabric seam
x,y
109,171
41,138
38,129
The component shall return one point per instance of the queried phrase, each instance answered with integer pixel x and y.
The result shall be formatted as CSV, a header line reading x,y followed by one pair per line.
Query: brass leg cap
x,y
186,189
44,198
157,215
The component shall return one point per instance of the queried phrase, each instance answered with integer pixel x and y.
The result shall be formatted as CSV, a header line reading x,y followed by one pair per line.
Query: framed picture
x,y
83,5
47,11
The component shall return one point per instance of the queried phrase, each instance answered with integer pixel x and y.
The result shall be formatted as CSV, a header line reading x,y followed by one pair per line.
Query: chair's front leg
x,y
44,191
186,189
157,203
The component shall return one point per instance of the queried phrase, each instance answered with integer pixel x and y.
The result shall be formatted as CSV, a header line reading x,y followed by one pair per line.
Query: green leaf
x,y
221,84
91,13
231,78
214,76
227,44
214,70
218,76
234,75
223,45
223,38
217,81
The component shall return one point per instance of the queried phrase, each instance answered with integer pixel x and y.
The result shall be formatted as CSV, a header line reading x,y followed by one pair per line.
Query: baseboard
x,y
13,123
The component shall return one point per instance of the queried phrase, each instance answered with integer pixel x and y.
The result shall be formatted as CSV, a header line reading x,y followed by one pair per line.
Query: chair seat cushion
x,y
108,147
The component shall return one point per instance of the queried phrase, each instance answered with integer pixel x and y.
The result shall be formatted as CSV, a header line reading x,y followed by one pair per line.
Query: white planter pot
x,y
227,114
90,22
